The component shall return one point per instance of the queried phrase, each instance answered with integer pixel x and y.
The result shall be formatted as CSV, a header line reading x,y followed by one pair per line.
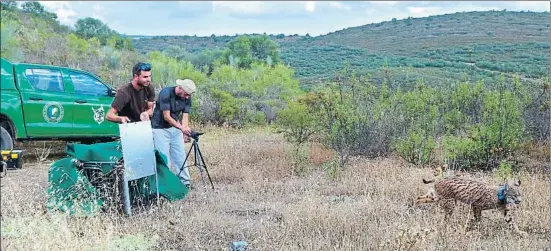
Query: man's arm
x,y
185,123
185,117
150,100
145,116
170,120
113,117
185,120
119,102
150,108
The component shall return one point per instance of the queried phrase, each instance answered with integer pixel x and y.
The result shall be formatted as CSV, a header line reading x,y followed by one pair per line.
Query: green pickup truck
x,y
44,102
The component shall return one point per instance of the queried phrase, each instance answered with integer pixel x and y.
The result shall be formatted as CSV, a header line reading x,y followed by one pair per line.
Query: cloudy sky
x,y
203,18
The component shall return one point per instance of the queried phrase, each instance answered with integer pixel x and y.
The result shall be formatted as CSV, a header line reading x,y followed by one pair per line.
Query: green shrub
x,y
297,123
259,118
417,147
462,152
504,171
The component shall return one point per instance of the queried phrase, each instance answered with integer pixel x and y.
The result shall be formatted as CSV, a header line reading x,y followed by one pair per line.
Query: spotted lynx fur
x,y
450,190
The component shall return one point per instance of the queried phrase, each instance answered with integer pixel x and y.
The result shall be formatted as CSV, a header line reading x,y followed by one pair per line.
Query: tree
x,y
248,49
228,106
91,27
240,48
263,48
127,44
205,60
175,51
8,5
34,8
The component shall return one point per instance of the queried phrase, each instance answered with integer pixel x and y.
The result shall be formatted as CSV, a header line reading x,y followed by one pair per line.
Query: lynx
x,y
450,190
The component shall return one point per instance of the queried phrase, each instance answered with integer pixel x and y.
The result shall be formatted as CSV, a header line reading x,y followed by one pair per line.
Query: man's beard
x,y
141,84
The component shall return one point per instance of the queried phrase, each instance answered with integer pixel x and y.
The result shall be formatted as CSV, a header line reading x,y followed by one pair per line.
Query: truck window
x,y
45,80
86,85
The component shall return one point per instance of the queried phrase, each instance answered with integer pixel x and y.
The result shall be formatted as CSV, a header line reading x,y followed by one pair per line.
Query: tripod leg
x,y
185,160
200,166
205,166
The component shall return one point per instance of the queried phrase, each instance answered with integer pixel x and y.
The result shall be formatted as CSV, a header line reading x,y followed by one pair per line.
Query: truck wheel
x,y
6,142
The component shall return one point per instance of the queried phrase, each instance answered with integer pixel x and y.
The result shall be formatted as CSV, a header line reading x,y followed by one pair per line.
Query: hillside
x,y
477,45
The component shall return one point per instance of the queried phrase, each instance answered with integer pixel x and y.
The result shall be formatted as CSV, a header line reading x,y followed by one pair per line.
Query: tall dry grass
x,y
259,198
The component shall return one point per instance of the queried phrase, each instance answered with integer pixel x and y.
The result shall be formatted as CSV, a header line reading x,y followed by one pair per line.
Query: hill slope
x,y
475,45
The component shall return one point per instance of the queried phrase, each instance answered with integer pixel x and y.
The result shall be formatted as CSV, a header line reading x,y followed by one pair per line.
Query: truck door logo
x,y
99,114
53,112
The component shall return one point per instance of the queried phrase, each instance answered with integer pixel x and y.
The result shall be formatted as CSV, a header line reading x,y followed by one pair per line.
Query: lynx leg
x,y
477,212
448,205
510,219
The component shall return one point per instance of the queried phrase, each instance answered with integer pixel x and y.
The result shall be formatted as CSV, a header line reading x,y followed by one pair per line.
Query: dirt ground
x,y
261,198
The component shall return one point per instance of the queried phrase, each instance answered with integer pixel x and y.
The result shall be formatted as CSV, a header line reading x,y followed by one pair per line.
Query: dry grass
x,y
258,199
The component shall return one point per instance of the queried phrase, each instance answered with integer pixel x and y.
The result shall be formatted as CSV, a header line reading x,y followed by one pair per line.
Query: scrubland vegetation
x,y
308,153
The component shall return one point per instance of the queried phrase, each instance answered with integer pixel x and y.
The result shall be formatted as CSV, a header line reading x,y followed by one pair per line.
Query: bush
x,y
297,123
462,153
505,171
417,147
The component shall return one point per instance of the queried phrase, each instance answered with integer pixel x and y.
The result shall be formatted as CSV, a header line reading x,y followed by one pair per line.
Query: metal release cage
x,y
110,184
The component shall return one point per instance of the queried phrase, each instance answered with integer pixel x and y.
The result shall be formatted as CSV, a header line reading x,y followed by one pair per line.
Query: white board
x,y
138,150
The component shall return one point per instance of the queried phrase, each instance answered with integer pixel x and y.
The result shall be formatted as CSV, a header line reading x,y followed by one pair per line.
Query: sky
x,y
203,18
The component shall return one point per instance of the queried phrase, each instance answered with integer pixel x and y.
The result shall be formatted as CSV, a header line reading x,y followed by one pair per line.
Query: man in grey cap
x,y
168,129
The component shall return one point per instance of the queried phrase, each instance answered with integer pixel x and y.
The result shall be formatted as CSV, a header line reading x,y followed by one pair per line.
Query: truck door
x,y
92,101
47,101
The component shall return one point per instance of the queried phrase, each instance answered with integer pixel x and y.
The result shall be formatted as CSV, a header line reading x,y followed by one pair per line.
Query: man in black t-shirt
x,y
134,100
168,131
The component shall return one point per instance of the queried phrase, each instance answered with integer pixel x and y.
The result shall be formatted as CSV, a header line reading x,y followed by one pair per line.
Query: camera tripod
x,y
197,156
